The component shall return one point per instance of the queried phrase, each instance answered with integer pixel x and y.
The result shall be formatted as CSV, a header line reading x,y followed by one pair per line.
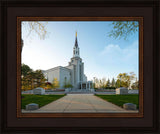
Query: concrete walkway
x,y
80,103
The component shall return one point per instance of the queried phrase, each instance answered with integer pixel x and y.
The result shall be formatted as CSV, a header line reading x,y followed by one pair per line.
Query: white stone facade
x,y
73,73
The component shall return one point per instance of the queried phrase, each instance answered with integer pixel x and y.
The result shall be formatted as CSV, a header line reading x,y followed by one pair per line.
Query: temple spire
x,y
76,48
76,42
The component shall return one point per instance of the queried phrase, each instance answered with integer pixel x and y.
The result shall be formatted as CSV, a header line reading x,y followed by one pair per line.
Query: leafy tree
x,y
123,29
135,85
125,79
24,83
30,78
118,83
55,83
25,69
131,77
124,84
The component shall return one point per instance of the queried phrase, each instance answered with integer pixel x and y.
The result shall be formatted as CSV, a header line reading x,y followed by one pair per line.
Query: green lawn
x,y
121,99
38,99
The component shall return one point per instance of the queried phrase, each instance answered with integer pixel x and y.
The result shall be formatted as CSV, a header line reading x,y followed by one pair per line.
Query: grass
x,y
38,99
121,99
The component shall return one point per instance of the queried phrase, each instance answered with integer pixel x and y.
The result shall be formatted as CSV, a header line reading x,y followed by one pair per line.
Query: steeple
x,y
76,48
76,43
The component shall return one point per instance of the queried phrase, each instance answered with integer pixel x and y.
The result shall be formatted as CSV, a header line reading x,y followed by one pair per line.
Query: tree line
x,y
127,80
31,79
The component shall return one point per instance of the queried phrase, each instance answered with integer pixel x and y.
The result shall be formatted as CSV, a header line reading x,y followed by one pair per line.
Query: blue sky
x,y
103,56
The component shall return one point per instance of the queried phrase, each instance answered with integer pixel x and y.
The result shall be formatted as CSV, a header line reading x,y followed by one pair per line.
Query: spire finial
x,y
76,43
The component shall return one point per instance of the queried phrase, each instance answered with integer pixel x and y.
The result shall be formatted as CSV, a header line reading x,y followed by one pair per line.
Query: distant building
x,y
73,73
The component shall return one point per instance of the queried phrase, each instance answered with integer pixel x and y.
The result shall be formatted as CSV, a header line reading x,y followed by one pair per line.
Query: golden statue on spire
x,y
76,33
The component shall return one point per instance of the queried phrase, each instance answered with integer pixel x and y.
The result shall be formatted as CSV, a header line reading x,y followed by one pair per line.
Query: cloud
x,y
114,59
113,53
110,48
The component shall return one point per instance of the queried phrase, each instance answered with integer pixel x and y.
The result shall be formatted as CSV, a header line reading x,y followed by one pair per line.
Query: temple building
x,y
72,74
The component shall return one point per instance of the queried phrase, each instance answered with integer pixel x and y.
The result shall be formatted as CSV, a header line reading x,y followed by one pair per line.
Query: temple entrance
x,y
86,85
83,86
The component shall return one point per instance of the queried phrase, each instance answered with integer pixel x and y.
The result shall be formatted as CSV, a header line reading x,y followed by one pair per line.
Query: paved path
x,y
79,103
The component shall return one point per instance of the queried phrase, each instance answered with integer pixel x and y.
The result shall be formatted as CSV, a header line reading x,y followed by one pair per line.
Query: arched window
x,y
65,82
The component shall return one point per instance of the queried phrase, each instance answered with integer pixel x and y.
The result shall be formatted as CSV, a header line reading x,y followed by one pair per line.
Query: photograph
x,y
80,66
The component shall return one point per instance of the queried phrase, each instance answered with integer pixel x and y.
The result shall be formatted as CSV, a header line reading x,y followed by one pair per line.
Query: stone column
x,y
89,85
81,85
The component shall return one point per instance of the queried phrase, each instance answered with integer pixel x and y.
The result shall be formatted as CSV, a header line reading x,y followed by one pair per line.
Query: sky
x,y
103,56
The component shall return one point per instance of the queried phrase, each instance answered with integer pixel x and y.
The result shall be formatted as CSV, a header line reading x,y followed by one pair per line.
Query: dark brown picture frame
x,y
147,120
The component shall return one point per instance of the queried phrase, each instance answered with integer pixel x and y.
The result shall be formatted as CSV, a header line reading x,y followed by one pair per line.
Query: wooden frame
x,y
11,10
20,19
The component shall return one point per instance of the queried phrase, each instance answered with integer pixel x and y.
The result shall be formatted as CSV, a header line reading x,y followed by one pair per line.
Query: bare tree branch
x,y
36,27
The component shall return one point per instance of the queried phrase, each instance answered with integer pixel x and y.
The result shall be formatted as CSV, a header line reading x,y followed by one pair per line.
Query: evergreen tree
x,y
39,78
113,83
25,69
108,84
33,79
